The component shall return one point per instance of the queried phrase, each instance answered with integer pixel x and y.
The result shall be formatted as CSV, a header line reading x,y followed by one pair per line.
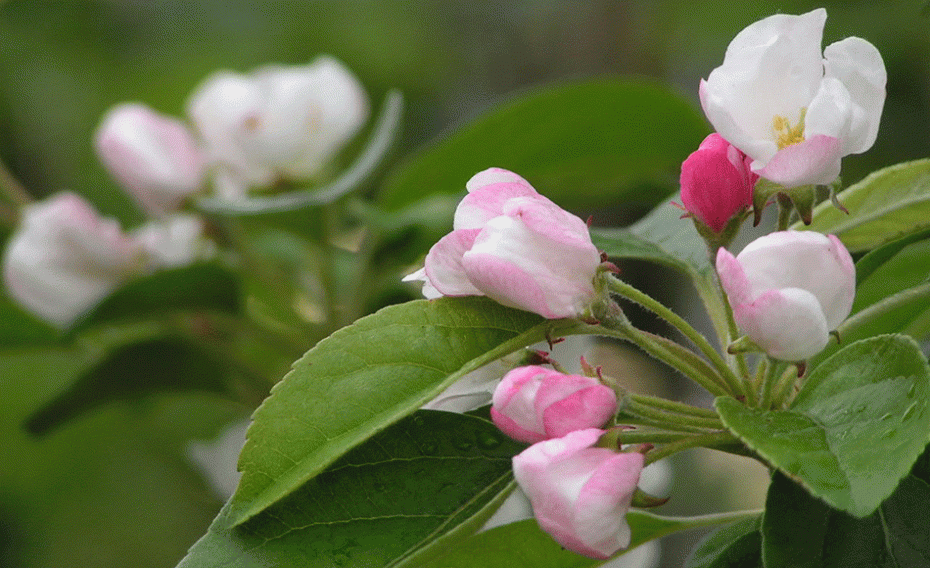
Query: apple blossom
x,y
153,156
515,246
174,241
64,258
580,494
277,122
716,182
535,403
788,290
796,111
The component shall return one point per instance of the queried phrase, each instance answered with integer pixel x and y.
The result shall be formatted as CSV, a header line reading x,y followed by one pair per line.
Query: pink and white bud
x,y
795,109
172,242
515,246
788,290
535,403
279,122
580,494
716,182
153,156
64,258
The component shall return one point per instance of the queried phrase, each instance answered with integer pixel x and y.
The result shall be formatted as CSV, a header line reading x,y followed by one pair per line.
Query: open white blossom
x,y
796,111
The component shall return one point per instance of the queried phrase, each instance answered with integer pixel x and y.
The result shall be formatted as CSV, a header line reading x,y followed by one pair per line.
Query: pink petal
x,y
813,161
444,264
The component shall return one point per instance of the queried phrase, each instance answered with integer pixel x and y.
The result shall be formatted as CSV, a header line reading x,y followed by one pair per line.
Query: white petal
x,y
788,324
771,68
859,66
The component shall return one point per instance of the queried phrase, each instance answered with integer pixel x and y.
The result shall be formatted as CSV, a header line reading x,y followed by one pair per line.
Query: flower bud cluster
x,y
252,131
579,493
276,123
785,111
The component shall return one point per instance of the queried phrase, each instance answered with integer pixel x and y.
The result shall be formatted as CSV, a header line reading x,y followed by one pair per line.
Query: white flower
x,y
64,258
277,122
794,110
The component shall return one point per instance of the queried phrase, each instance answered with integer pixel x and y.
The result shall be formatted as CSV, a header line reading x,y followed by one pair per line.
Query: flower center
x,y
785,134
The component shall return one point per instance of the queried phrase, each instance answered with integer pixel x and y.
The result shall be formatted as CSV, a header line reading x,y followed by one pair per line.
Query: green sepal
x,y
643,500
726,235
801,198
743,345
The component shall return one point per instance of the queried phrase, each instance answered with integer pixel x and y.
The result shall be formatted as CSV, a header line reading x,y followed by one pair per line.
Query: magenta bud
x,y
716,182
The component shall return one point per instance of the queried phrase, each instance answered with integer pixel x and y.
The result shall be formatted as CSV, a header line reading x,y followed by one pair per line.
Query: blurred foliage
x,y
114,487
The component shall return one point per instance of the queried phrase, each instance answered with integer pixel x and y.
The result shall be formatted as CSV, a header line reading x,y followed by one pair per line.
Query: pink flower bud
x,y
515,246
788,290
580,494
278,121
64,258
534,403
153,156
716,182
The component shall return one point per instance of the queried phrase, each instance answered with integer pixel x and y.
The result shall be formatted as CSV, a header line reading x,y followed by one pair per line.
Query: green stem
x,y
670,417
650,436
659,423
702,440
761,369
768,387
666,355
629,292
692,358
785,386
327,269
745,387
672,405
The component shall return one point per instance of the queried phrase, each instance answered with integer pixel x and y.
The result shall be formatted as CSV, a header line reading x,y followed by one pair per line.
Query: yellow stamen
x,y
785,134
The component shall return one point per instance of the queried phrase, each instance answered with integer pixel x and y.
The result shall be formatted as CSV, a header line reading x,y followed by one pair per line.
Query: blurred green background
x,y
113,488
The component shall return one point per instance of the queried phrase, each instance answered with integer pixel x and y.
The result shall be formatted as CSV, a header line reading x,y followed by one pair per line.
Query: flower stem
x,y
746,388
671,417
711,439
665,354
672,405
783,391
650,435
768,388
629,292
669,423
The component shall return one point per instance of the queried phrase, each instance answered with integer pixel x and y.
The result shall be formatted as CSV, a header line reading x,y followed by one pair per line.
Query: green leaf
x,y
424,482
523,543
18,327
886,205
378,147
800,531
855,429
734,546
131,372
874,260
580,144
365,377
204,286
